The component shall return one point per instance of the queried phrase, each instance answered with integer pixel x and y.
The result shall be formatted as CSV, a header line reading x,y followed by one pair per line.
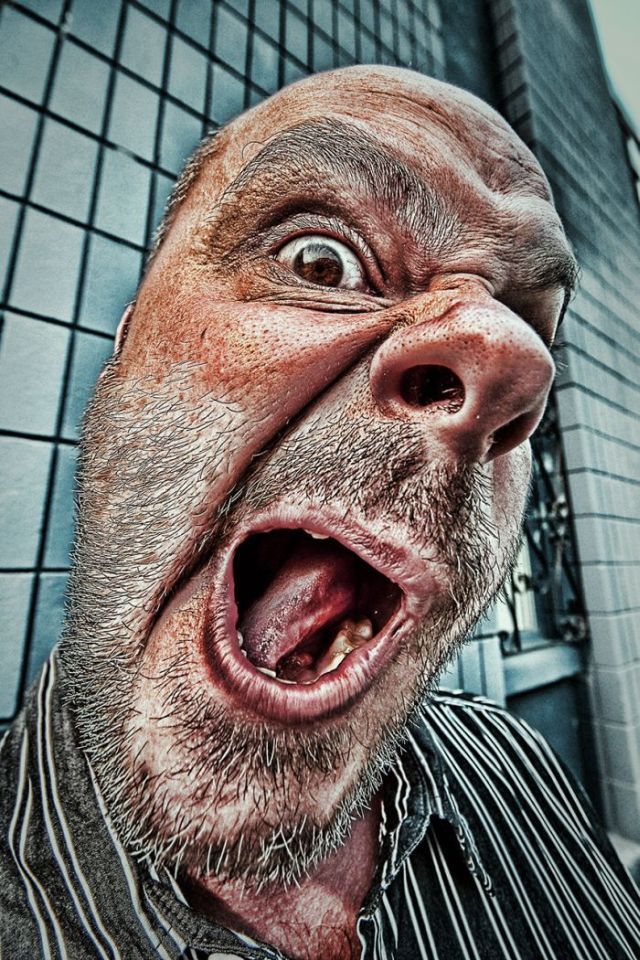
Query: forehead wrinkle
x,y
494,150
300,155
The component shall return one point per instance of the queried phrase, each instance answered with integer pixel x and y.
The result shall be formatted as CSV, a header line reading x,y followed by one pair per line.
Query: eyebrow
x,y
351,156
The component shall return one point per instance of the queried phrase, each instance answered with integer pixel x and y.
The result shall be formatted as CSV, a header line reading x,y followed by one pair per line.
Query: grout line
x,y
17,240
282,19
54,321
39,437
251,12
157,138
57,215
82,275
588,428
208,83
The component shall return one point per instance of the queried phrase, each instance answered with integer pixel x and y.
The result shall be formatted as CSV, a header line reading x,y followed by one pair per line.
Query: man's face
x,y
304,474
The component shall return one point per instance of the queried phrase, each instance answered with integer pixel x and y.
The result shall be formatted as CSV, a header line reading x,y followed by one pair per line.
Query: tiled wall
x,y
100,102
556,94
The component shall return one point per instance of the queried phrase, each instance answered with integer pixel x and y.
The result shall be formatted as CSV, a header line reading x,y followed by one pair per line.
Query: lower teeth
x,y
350,636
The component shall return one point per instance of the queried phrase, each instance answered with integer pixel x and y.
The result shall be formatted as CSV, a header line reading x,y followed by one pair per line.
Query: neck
x,y
312,920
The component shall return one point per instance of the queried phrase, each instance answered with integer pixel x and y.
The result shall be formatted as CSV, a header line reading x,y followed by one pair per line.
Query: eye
x,y
324,261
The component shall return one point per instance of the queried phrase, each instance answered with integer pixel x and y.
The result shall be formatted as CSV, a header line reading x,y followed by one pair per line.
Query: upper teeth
x,y
317,536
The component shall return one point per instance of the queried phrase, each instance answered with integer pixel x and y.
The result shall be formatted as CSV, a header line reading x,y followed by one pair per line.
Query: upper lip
x,y
398,561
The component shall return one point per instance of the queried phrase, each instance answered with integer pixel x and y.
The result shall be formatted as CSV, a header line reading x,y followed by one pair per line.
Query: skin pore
x,y
336,241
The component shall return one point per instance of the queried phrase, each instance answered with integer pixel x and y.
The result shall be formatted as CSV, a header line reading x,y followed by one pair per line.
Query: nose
x,y
467,369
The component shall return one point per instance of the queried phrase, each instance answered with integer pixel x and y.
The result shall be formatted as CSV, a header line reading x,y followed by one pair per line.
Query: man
x,y
302,481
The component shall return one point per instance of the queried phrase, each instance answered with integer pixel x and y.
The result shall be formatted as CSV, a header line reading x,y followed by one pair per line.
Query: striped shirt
x,y
488,849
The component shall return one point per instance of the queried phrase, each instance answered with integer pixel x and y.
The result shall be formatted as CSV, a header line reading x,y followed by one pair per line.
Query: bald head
x,y
432,116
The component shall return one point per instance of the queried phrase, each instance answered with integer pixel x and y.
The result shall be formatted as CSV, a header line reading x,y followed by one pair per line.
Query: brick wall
x,y
555,92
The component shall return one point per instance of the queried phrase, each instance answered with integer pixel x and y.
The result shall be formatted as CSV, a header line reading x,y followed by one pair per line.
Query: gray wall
x,y
555,92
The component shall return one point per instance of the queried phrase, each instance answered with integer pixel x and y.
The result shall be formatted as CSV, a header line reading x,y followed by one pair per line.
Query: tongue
x,y
313,588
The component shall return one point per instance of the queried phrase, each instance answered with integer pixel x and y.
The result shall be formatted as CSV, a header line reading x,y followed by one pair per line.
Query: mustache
x,y
376,470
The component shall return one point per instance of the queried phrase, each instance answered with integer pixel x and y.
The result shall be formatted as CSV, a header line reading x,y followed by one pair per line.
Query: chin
x,y
244,788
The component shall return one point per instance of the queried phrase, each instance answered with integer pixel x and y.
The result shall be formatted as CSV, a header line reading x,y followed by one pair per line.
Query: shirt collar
x,y
417,790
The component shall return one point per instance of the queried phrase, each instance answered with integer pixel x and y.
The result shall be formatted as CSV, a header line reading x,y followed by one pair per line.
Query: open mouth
x,y
305,603
307,624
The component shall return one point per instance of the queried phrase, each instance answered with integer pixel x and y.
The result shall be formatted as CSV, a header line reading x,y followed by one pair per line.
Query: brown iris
x,y
319,264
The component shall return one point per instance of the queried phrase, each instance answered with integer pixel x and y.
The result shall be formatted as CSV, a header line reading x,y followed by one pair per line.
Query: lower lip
x,y
333,693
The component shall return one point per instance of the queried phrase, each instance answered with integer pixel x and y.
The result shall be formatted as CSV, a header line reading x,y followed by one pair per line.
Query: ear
x,y
123,329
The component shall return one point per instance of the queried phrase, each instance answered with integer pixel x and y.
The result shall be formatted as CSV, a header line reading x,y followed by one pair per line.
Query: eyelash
x,y
338,230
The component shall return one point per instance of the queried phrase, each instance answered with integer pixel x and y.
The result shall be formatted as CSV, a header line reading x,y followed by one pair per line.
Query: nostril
x,y
510,434
422,386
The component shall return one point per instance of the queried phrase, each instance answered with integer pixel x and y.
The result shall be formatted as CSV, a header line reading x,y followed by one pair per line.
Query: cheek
x,y
511,474
269,352
264,359
237,374
259,357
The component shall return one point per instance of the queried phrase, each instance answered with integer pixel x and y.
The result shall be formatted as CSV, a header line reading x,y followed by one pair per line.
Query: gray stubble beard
x,y
158,461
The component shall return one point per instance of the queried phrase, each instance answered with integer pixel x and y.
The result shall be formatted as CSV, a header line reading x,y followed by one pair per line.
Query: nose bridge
x,y
465,369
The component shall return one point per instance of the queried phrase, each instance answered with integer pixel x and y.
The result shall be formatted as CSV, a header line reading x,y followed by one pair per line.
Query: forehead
x,y
416,155
426,123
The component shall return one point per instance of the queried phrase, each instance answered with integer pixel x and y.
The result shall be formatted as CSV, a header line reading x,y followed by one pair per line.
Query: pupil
x,y
319,264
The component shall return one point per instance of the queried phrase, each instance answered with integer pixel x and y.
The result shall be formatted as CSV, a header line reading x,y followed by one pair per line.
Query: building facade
x,y
100,103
